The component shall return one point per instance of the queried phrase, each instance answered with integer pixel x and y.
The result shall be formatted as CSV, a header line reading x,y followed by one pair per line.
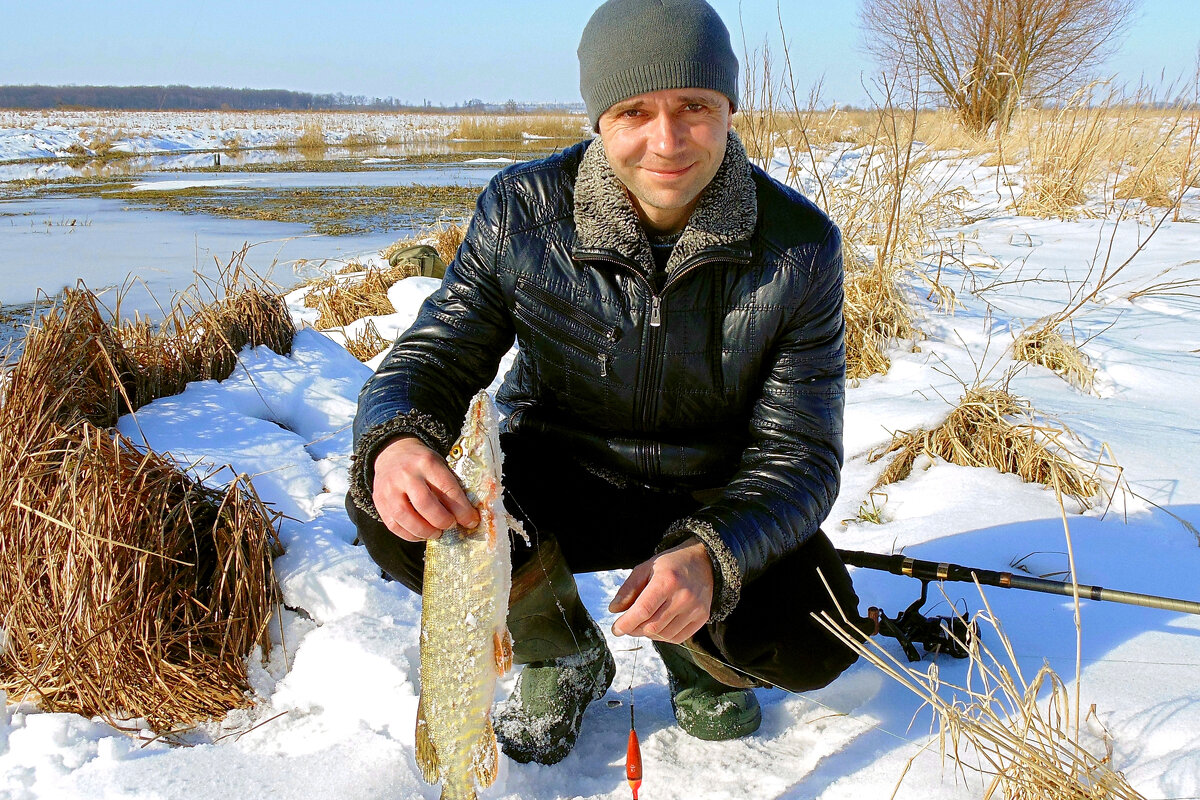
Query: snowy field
x,y
334,709
59,134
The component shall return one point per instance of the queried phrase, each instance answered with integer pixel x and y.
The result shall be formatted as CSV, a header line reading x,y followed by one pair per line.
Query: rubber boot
x,y
704,706
567,662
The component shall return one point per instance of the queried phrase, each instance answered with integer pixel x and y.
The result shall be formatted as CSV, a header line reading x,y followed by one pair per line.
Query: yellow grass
x,y
991,428
513,128
1019,735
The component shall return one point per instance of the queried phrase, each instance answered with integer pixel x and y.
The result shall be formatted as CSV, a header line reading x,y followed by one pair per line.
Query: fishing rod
x,y
951,635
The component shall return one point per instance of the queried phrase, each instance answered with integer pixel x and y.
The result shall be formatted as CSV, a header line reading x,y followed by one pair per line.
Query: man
x,y
675,406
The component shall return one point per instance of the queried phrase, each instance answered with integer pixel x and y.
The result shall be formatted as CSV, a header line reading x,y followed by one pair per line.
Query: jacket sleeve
x,y
451,351
790,473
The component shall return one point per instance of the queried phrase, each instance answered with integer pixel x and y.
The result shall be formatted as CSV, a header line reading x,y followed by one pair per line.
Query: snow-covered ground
x,y
58,134
335,706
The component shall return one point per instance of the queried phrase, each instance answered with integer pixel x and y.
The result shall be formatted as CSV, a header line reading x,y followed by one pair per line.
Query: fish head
x,y
475,458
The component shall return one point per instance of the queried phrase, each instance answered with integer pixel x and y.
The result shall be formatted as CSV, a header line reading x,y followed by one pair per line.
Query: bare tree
x,y
984,56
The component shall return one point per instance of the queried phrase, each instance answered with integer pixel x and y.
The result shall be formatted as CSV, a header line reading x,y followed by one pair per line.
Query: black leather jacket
x,y
728,376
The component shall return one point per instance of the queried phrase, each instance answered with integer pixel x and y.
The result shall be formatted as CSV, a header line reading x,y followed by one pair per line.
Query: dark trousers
x,y
598,526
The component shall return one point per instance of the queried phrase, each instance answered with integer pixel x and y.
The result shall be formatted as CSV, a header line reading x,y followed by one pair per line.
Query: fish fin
x,y
516,526
485,756
427,757
503,645
490,522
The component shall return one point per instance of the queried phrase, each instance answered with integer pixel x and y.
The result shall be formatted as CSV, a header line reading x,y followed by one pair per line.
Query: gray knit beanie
x,y
634,46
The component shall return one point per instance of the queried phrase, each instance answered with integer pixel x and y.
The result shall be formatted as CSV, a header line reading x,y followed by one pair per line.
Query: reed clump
x,y
367,343
130,590
991,428
202,334
1045,345
341,301
877,314
312,136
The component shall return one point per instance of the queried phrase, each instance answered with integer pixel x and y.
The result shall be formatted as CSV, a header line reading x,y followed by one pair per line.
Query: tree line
x,y
188,98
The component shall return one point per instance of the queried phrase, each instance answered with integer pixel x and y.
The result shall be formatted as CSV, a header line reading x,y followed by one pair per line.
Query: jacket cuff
x,y
362,462
727,576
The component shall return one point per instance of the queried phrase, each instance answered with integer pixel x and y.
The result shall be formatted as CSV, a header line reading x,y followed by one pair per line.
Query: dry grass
x,y
514,128
1066,157
877,315
447,237
1018,734
368,343
203,333
129,590
343,301
1044,344
312,136
991,428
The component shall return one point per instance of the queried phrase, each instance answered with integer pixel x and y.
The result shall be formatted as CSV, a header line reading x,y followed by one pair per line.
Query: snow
x,y
334,708
58,134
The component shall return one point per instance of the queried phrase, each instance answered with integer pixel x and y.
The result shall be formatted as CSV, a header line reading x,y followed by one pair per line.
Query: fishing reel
x,y
950,635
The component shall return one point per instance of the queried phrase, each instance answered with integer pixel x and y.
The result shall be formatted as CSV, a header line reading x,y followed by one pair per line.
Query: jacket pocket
x,y
560,321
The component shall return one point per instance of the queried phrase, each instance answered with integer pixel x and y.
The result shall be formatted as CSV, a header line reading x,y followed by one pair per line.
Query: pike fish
x,y
465,643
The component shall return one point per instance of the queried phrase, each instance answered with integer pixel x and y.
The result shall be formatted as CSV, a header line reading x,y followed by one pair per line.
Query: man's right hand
x,y
416,494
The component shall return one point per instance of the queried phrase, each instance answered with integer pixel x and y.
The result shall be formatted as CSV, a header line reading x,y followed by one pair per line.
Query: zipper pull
x,y
655,311
604,365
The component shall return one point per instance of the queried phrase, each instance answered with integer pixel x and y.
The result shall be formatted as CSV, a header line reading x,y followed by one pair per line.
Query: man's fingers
x,y
682,627
448,490
646,605
630,589
406,523
430,507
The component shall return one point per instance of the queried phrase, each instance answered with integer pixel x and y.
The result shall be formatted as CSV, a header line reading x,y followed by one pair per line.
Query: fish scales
x,y
465,644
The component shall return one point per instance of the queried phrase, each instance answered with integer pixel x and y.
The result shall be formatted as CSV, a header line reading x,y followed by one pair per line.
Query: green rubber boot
x,y
567,662
704,706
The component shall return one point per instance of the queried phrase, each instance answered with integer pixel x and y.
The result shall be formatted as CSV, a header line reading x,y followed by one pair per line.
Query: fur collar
x,y
604,215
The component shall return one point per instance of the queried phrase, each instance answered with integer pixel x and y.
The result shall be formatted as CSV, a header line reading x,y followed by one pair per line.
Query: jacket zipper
x,y
654,356
565,309
644,408
609,334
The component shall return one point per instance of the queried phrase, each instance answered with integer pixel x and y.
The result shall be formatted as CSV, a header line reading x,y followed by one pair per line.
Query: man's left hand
x,y
667,598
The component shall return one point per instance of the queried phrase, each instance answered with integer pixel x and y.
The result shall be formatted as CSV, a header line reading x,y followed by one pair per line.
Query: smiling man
x,y
675,406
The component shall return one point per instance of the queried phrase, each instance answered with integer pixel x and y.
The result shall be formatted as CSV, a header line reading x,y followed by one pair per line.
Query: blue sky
x,y
446,51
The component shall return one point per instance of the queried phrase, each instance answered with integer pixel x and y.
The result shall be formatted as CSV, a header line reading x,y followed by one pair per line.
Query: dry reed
x,y
1015,733
129,589
490,128
991,428
345,300
367,343
877,314
1044,345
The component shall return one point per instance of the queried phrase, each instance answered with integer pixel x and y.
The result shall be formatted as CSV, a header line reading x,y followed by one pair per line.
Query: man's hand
x,y
667,598
416,494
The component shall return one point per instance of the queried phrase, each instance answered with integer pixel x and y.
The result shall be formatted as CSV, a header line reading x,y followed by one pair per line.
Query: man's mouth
x,y
668,173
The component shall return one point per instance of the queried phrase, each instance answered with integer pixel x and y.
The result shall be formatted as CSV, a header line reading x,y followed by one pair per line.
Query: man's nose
x,y
667,135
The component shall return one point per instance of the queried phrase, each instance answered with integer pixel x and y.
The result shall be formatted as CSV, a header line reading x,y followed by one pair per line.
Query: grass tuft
x,y
991,428
1044,345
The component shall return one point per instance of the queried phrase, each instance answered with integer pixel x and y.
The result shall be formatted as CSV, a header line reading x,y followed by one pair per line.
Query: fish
x,y
465,643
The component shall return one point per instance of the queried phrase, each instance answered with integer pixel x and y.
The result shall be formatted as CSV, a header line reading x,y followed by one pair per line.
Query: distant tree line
x,y
219,98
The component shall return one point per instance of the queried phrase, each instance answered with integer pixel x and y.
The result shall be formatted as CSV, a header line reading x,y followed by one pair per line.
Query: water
x,y
113,247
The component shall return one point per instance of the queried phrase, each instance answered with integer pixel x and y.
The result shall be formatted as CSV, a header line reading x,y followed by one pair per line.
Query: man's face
x,y
666,146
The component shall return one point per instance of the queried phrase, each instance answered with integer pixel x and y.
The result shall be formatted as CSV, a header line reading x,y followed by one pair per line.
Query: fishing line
x,y
546,574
